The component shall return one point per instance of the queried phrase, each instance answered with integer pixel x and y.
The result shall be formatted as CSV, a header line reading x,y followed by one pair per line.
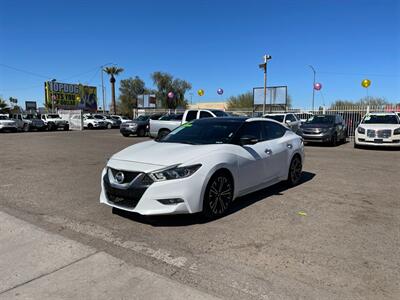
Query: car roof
x,y
277,114
234,120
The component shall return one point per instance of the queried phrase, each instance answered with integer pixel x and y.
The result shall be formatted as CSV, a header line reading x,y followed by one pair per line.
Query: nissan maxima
x,y
202,166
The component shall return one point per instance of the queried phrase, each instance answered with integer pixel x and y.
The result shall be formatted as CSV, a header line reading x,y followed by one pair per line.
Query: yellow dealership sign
x,y
70,96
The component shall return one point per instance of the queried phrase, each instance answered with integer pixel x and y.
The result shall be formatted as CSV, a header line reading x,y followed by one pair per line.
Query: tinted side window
x,y
205,114
291,117
191,115
249,130
272,130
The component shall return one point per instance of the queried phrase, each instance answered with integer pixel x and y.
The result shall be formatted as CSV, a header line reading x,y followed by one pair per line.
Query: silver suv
x,y
28,122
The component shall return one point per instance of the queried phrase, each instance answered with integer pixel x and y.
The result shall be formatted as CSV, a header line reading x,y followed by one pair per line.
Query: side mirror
x,y
248,141
288,121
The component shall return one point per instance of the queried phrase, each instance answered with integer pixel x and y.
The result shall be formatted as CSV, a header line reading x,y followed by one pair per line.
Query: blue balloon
x,y
220,91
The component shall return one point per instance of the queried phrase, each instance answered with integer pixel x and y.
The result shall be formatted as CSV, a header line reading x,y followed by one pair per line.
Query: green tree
x,y
129,89
241,101
166,83
371,101
3,105
113,71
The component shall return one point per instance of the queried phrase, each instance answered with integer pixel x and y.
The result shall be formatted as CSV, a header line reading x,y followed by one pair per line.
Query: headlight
x,y
361,130
174,173
325,129
396,131
133,125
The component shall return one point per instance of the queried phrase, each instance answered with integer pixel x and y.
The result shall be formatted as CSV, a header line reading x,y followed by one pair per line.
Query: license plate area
x,y
378,141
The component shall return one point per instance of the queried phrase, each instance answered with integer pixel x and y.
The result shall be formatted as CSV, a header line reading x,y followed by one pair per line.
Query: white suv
x,y
378,129
287,119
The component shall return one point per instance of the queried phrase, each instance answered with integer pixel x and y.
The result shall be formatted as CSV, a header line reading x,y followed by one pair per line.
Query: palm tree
x,y
113,71
3,105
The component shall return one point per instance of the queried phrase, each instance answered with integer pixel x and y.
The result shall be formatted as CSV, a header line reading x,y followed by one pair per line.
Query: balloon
x,y
317,86
220,91
366,83
200,92
171,95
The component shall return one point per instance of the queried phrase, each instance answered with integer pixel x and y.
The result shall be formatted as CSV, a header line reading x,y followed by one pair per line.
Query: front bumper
x,y
363,140
144,199
9,127
323,137
130,130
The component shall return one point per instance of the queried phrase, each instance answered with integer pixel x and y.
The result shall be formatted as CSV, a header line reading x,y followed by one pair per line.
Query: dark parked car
x,y
139,126
324,129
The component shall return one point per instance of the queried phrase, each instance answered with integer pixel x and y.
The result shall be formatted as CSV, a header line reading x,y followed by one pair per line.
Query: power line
x,y
24,71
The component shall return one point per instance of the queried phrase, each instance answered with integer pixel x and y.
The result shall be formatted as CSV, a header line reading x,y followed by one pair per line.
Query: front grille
x,y
128,176
127,198
386,133
370,133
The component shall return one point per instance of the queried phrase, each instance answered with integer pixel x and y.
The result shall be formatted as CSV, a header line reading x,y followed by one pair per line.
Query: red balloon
x,y
317,86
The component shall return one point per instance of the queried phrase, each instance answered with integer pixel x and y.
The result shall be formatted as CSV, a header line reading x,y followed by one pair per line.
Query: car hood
x,y
379,126
163,154
307,126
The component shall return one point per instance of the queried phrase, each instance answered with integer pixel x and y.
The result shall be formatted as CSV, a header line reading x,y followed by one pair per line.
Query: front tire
x,y
90,126
141,132
218,195
66,127
26,128
295,171
333,141
125,134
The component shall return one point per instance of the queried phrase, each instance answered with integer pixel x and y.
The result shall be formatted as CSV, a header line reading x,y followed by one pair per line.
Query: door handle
x,y
268,151
290,146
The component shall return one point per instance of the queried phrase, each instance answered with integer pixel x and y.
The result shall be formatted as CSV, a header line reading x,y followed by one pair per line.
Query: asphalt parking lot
x,y
345,246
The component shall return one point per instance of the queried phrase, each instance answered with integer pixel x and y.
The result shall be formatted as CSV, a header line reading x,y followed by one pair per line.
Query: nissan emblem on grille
x,y
119,177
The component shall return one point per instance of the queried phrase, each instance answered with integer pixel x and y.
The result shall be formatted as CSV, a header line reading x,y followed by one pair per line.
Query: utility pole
x,y
264,67
313,89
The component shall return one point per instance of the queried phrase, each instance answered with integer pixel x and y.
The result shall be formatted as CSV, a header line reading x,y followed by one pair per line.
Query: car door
x,y
251,158
278,147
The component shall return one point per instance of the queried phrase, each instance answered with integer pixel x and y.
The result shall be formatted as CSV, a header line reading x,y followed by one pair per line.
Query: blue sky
x,y
212,44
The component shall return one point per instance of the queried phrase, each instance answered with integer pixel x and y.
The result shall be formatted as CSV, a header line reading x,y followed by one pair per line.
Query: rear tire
x,y
218,195
295,171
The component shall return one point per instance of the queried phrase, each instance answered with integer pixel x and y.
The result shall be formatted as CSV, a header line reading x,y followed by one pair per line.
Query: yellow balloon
x,y
200,92
366,83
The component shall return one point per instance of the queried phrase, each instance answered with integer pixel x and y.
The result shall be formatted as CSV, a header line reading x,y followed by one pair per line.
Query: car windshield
x,y
278,118
89,117
321,120
142,118
54,116
380,119
219,113
3,118
99,117
202,133
29,117
124,118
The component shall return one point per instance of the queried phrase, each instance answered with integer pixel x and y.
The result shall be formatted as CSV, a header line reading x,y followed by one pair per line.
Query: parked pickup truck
x,y
163,126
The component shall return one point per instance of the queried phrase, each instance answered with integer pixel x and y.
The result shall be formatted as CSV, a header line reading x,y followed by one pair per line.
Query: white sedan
x,y
202,167
378,129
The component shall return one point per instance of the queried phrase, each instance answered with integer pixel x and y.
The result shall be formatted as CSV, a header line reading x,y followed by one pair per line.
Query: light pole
x,y
52,95
102,86
264,67
313,89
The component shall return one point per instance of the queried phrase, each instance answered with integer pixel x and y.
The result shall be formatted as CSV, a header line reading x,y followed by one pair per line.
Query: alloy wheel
x,y
295,171
219,195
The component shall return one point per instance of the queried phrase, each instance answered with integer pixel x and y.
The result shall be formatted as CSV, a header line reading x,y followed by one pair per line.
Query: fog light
x,y
170,201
